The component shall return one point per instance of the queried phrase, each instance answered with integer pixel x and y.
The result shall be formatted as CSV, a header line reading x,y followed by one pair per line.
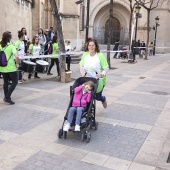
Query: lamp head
x,y
157,20
79,2
137,8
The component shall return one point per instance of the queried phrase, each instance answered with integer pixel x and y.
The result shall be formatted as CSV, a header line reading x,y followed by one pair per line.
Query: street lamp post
x,y
137,10
87,21
157,24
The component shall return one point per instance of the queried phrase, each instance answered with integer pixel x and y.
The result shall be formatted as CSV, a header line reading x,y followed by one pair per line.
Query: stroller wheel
x,y
88,137
83,136
65,134
96,125
60,133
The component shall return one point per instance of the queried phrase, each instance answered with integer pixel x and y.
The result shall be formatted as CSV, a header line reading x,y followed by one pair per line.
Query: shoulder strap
x,y
4,48
10,55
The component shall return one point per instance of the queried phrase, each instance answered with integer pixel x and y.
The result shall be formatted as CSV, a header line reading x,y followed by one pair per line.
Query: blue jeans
x,y
78,116
99,96
151,52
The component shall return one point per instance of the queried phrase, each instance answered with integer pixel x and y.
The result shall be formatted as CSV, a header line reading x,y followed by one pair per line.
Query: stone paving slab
x,y
20,121
54,102
5,135
1,141
117,141
157,82
44,160
135,114
137,166
151,88
141,98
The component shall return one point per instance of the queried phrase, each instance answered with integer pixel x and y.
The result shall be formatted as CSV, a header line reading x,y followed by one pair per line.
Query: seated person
x,y
82,96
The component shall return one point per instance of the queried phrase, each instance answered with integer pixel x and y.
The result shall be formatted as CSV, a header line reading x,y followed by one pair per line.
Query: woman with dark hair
x,y
26,39
10,71
94,64
19,45
42,39
54,58
34,50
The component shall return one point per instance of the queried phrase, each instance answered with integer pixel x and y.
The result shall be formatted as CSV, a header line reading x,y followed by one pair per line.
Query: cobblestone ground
x,y
133,132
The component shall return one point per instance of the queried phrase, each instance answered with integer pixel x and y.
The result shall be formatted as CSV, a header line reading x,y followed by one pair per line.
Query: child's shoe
x,y
66,127
77,128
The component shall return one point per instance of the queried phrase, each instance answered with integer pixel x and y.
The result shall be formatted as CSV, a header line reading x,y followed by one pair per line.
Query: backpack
x,y
50,49
3,59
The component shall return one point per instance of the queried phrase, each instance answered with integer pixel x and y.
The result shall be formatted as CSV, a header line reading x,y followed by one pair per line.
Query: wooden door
x,y
115,31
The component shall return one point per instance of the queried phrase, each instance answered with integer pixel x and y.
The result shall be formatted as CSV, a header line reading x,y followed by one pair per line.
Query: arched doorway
x,y
115,30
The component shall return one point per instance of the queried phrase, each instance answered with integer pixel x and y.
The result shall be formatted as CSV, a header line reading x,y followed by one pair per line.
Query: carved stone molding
x,y
68,15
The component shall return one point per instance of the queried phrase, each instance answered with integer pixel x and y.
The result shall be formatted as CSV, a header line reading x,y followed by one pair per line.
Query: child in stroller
x,y
82,96
81,110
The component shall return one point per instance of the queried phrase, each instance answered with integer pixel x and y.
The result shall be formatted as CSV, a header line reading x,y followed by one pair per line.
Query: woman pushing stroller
x,y
94,64
82,96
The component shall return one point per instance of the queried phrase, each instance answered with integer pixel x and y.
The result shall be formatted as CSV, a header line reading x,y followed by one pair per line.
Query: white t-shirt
x,y
92,65
36,50
21,48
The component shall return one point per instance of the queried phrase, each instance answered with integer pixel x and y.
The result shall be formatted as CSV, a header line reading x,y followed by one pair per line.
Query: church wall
x,y
15,15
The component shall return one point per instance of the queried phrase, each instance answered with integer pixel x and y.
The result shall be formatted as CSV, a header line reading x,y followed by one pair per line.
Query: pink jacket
x,y
80,99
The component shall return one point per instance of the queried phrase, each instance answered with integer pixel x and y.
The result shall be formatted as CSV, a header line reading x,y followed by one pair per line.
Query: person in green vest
x,y
54,58
94,64
20,47
9,72
34,50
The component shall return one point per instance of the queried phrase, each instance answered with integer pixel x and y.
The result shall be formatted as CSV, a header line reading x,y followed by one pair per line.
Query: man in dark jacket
x,y
116,46
46,33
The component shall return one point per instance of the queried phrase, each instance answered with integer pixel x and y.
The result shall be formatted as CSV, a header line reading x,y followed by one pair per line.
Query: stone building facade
x,y
72,18
15,14
21,13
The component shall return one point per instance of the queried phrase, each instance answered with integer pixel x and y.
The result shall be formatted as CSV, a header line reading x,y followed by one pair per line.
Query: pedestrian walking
x,y
54,58
151,48
20,47
143,50
94,64
116,47
68,48
10,71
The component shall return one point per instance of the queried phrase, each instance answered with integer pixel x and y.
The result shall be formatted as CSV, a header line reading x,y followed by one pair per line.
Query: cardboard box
x,y
66,77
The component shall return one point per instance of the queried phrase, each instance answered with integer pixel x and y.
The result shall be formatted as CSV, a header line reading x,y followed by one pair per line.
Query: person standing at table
x,y
10,71
54,58
34,50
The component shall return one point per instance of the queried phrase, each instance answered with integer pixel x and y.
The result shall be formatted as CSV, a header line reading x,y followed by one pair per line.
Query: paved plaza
x,y
133,132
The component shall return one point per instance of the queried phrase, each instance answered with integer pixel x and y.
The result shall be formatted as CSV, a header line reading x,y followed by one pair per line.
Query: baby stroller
x,y
123,54
88,116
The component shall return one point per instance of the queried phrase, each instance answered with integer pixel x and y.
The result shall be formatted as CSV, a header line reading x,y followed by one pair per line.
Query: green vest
x,y
103,65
